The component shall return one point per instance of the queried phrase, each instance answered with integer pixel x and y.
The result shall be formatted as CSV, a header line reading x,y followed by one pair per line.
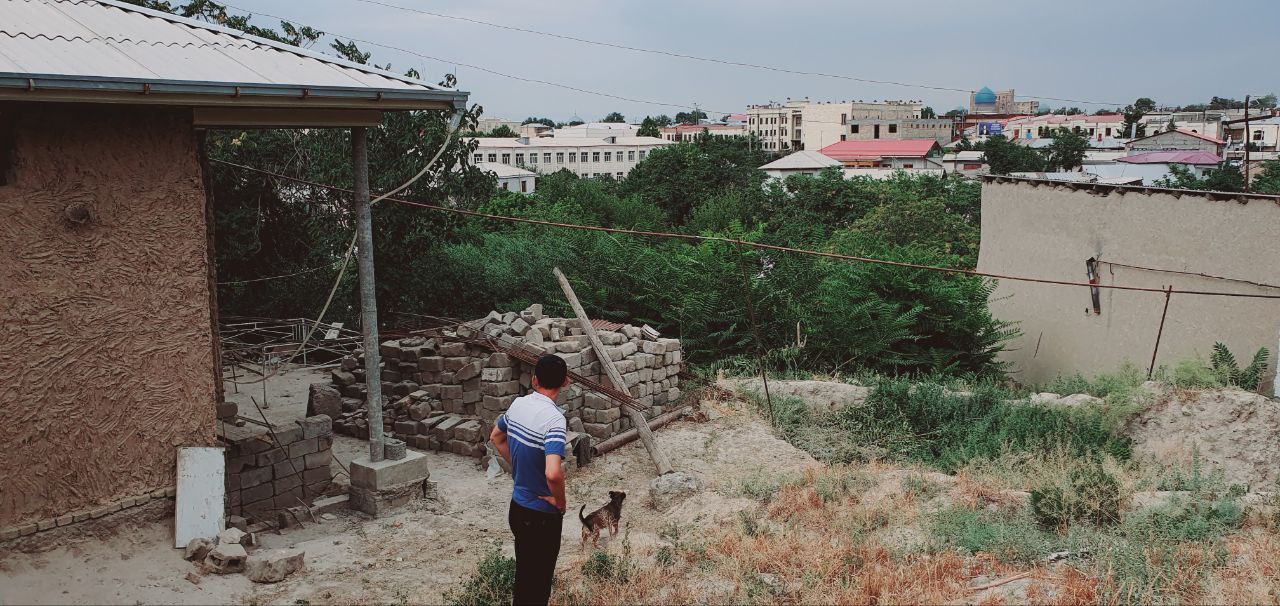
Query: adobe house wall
x,y
106,346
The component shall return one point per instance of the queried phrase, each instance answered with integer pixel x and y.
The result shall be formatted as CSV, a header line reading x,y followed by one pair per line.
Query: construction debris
x,y
444,391
273,565
274,468
226,559
197,549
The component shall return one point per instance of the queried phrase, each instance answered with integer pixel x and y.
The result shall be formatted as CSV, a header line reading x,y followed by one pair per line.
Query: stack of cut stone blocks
x,y
444,395
263,476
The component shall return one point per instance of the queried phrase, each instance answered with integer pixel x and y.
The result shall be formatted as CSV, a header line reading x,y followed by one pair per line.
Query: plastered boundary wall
x,y
106,353
1049,231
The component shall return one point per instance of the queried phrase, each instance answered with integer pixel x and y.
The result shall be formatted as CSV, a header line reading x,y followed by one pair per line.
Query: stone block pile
x,y
263,477
444,395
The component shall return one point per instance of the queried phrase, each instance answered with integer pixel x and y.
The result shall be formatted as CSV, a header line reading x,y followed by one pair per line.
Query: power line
x,y
471,66
731,62
296,273
757,245
512,76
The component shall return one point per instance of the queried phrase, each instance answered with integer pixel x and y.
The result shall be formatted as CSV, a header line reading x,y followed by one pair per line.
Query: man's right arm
x,y
499,438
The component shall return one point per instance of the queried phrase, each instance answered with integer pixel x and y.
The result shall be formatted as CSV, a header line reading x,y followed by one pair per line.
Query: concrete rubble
x,y
444,395
273,565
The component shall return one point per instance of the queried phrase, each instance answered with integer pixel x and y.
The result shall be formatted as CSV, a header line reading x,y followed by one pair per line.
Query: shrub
x,y
1194,374
602,567
1228,371
1091,494
1010,538
490,585
924,423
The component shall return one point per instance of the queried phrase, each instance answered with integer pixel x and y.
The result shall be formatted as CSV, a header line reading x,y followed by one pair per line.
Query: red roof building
x,y
882,153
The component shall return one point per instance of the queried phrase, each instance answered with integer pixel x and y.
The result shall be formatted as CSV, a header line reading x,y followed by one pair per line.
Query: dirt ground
x,y
1232,430
821,396
417,554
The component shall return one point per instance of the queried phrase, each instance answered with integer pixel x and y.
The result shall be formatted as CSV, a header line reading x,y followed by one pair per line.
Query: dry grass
x,y
813,541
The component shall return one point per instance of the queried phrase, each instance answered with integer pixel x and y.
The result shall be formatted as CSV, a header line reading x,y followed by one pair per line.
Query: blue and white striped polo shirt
x,y
535,428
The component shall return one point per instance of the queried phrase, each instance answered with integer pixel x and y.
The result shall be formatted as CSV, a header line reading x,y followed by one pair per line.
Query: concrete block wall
x,y
263,476
445,395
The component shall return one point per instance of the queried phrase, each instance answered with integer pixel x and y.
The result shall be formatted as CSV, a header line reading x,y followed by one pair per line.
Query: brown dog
x,y
605,517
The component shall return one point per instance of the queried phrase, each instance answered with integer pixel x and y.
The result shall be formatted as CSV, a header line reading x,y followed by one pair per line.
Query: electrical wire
x,y
678,55
296,273
757,245
346,258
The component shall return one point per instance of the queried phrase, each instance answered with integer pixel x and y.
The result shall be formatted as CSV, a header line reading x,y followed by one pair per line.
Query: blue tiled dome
x,y
984,97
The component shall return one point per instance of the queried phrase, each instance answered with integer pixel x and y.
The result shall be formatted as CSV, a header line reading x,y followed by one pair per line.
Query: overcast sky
x,y
1177,51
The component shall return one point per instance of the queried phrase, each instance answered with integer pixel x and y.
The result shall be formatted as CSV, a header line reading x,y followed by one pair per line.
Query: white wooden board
x,y
332,333
200,503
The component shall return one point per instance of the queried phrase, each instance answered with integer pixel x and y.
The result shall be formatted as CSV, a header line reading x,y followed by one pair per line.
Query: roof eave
x,y
135,91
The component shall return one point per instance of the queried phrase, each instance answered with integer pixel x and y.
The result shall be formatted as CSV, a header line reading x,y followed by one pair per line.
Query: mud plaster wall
x,y
106,357
1049,231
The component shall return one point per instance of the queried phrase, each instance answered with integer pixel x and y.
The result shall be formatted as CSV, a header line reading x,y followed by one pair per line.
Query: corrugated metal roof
x,y
1172,157
801,160
865,150
76,43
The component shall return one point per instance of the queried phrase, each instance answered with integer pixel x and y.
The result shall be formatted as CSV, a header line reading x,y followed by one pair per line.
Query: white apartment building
x,y
804,124
511,178
687,132
1040,127
598,129
585,156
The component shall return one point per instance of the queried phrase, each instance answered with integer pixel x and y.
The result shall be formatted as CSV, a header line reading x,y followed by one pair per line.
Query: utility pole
x,y
1248,140
368,299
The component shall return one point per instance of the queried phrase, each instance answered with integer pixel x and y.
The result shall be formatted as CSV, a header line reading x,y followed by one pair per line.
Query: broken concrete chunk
x,y
413,341
197,549
323,399
470,370
231,536
535,310
226,559
274,565
342,377
519,326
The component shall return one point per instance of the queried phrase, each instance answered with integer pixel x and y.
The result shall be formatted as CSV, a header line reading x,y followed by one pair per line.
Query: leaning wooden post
x,y
660,459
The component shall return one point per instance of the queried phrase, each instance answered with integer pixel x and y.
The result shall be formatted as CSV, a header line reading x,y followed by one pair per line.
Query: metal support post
x,y
368,299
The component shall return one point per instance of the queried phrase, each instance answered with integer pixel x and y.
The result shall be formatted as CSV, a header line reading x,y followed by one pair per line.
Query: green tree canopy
x,y
1226,177
1267,181
1004,156
534,120
1067,151
690,117
648,128
614,118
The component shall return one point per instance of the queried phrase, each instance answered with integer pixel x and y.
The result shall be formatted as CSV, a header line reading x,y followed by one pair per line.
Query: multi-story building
x,y
985,101
598,129
584,156
686,132
484,125
1038,127
803,124
1263,133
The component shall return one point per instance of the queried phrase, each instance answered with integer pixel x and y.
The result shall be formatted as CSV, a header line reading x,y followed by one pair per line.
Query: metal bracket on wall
x,y
1091,270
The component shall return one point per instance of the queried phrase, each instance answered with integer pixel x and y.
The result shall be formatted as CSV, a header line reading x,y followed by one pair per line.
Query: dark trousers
x,y
537,547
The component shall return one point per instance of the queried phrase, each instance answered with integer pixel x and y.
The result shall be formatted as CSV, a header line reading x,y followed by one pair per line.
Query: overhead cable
x,y
757,245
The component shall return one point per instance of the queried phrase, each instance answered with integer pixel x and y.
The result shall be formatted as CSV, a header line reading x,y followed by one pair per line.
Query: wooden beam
x,y
660,459
630,435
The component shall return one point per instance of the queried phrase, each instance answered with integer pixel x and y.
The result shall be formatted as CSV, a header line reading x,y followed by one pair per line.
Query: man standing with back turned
x,y
531,437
